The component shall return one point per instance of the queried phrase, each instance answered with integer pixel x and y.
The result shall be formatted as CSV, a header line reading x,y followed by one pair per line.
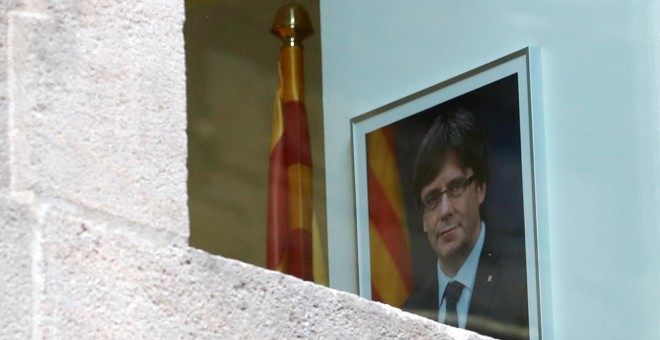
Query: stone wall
x,y
93,205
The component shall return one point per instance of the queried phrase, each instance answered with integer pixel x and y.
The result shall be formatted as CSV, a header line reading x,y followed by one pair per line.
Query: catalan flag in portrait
x,y
293,244
391,263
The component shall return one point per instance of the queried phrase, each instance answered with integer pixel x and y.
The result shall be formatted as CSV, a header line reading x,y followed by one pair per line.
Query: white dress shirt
x,y
465,275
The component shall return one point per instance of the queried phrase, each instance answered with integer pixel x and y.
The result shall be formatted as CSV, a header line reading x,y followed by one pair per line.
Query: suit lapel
x,y
485,284
425,301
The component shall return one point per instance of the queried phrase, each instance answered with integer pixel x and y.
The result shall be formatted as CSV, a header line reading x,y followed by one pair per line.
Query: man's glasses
x,y
455,189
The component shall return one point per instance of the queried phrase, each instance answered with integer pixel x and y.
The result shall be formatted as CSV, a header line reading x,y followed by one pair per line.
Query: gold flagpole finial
x,y
292,24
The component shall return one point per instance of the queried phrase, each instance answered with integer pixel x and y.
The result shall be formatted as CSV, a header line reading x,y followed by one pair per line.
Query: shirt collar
x,y
468,271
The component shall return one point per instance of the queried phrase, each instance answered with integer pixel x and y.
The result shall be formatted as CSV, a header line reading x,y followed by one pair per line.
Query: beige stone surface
x,y
17,225
98,107
103,282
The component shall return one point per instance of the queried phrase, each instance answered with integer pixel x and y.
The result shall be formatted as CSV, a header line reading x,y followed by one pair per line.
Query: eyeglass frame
x,y
459,184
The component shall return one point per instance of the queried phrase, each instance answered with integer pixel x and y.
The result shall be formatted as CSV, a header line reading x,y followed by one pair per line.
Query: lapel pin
x,y
490,278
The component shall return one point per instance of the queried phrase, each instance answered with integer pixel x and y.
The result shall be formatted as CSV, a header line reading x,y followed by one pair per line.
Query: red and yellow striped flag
x,y
391,264
291,221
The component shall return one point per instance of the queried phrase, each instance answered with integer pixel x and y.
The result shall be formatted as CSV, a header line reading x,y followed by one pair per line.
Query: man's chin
x,y
449,249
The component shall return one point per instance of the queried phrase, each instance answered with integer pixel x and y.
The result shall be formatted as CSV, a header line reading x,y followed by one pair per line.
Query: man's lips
x,y
446,232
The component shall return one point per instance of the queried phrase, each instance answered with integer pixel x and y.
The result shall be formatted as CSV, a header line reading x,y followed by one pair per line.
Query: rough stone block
x,y
98,108
4,101
265,304
108,282
104,280
16,227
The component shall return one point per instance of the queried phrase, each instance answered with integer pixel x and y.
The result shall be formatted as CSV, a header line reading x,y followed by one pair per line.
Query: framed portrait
x,y
416,226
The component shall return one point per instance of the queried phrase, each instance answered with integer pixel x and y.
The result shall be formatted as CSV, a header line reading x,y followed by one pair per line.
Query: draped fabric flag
x,y
291,221
391,263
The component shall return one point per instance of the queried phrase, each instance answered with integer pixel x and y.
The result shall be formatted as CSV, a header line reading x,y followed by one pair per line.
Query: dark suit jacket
x,y
499,300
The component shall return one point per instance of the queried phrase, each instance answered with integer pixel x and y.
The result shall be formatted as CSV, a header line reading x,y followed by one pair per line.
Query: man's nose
x,y
444,207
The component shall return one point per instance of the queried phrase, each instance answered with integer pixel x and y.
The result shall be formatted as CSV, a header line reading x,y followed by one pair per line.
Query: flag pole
x,y
290,216
292,25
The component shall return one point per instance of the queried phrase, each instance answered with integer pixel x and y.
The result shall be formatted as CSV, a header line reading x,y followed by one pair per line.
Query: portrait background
x,y
496,108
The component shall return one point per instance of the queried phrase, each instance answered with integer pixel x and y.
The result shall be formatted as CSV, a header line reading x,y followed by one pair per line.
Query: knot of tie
x,y
452,294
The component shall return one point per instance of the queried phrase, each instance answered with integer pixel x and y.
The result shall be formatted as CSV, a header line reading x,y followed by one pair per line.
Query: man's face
x,y
453,224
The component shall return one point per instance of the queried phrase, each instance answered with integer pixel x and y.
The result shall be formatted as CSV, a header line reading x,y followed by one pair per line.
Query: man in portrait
x,y
479,280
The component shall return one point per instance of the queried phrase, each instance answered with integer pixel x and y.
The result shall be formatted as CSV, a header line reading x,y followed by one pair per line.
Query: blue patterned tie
x,y
452,294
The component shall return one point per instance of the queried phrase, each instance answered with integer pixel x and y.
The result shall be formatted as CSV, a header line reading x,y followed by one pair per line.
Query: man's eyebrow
x,y
455,180
433,191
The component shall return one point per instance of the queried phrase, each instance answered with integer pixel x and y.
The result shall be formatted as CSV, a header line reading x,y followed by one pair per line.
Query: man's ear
x,y
481,191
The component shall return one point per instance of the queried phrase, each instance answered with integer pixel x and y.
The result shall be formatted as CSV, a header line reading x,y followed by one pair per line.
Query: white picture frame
x,y
522,67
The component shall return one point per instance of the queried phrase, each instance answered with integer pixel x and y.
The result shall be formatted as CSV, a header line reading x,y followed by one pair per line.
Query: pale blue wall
x,y
600,76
